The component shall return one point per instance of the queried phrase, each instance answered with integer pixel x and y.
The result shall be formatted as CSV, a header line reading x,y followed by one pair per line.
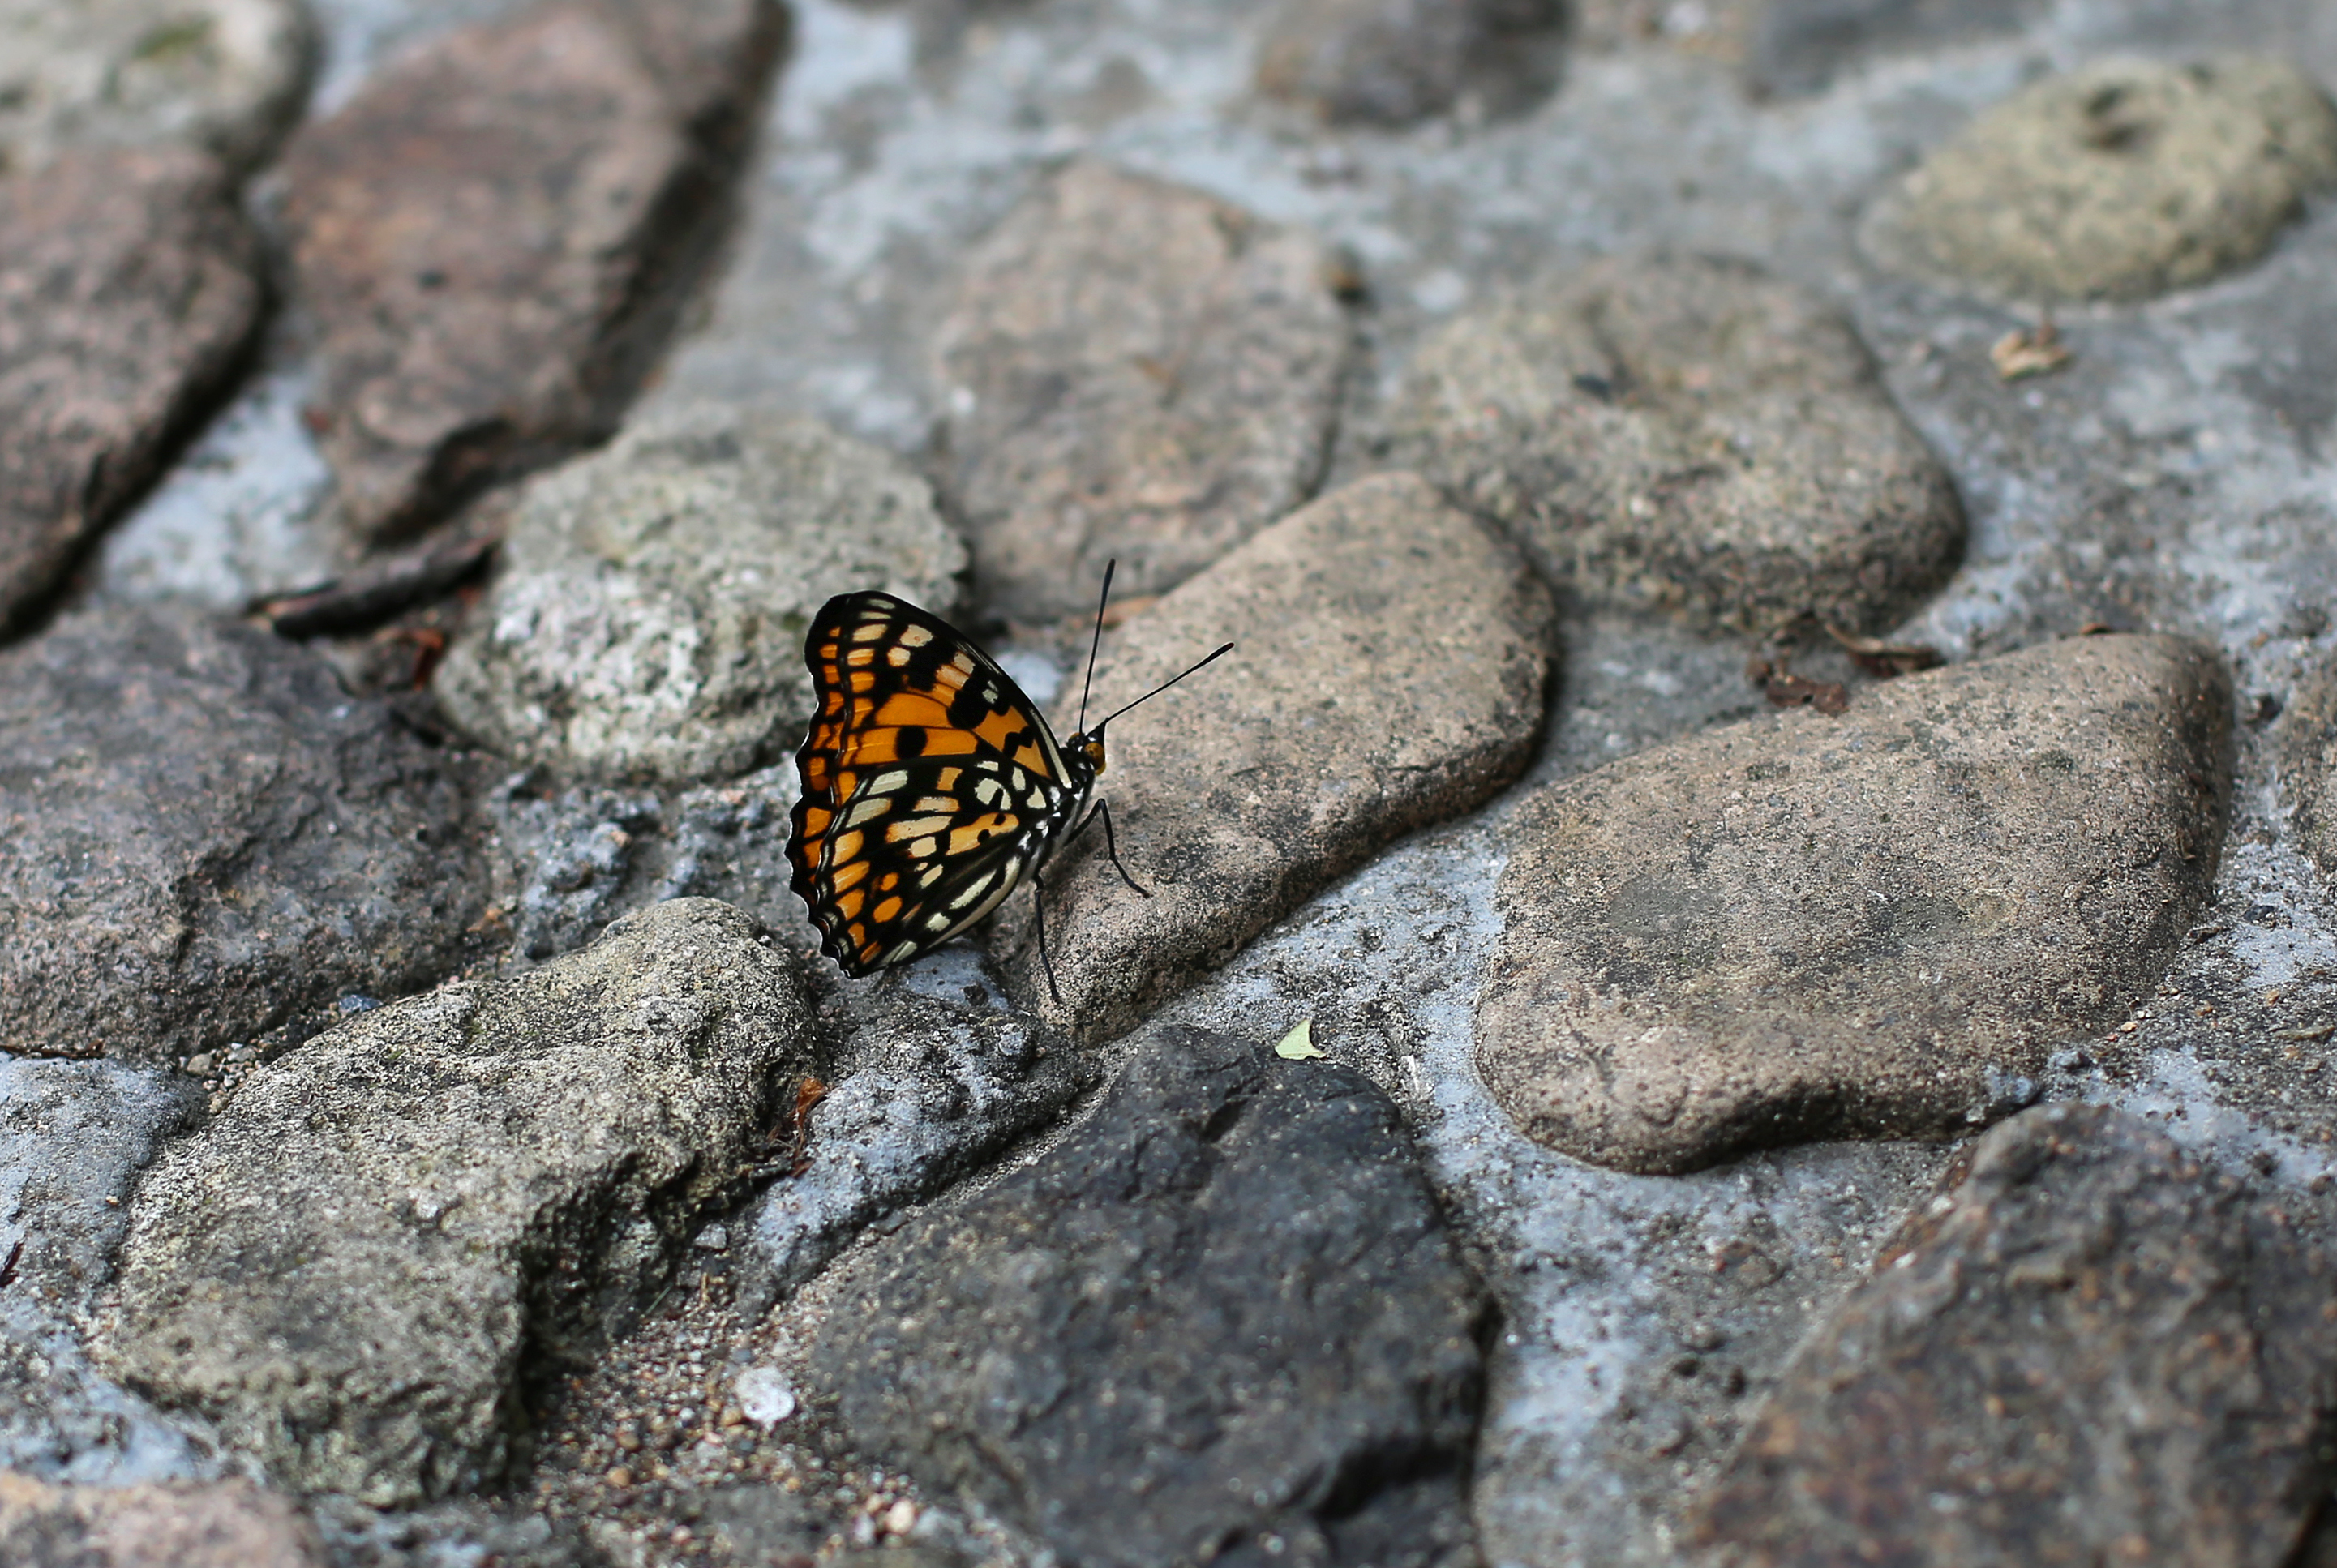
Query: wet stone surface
x,y
129,290
1684,434
493,233
1394,62
210,840
1873,924
1391,660
1138,371
227,1523
1178,1336
1797,47
2091,1347
2119,181
359,1264
225,76
648,615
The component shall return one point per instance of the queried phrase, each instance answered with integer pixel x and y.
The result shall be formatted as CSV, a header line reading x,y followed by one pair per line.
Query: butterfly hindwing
x,y
931,784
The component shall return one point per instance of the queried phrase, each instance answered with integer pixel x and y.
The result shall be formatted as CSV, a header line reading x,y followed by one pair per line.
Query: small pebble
x,y
901,1518
620,1476
200,1065
764,1396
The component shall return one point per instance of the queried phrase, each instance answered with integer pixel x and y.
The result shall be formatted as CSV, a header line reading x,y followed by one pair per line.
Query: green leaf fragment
x,y
1298,1044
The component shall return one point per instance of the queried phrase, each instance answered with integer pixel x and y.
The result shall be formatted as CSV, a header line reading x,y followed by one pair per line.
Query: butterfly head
x,y
1090,746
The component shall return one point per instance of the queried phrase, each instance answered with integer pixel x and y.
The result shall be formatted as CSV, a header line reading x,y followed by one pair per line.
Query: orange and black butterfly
x,y
932,786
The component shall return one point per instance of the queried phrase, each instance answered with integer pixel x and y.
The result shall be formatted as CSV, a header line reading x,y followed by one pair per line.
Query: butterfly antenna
x,y
1097,731
1103,599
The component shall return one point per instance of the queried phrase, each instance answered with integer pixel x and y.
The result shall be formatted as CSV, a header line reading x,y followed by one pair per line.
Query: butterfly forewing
x,y
931,784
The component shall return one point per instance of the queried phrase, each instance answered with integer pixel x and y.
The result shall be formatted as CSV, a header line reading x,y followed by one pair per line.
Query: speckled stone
x,y
2117,182
1134,370
226,76
228,1524
1688,435
646,618
1806,927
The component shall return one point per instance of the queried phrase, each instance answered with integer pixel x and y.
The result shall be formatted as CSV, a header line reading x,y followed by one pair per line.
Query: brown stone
x,y
2118,182
217,1525
1805,927
2091,1350
494,236
1392,61
1391,659
129,292
1134,370
1685,433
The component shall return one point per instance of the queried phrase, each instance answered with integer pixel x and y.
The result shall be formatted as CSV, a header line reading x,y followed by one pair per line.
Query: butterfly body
x,y
932,785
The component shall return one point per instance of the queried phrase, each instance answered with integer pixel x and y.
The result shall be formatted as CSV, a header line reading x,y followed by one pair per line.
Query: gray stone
x,y
938,1090
646,618
1684,434
1799,46
209,839
2117,182
1133,370
1392,61
129,292
1805,927
497,1533
228,1523
2092,1348
226,76
2308,729
360,1263
1220,1321
496,233
1391,659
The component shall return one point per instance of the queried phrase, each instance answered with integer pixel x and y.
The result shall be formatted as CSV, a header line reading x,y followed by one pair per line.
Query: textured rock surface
x,y
208,839
1221,1321
224,1524
1388,669
647,616
1807,927
2091,1350
938,1090
1796,47
1392,61
2309,763
358,1263
1134,370
495,232
2120,180
223,75
128,292
1685,433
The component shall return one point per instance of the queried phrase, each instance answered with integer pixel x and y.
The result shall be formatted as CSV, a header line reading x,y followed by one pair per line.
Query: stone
x,y
129,296
2308,774
1390,659
1133,371
1394,61
224,77
646,618
210,840
1220,1321
362,1265
938,1091
496,233
1803,927
1798,47
1688,435
230,1523
2091,1348
2120,180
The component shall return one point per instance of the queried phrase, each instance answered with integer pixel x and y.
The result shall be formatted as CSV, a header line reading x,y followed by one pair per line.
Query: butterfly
x,y
932,785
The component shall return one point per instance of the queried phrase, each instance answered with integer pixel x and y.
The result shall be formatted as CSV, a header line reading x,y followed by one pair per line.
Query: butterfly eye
x,y
1093,748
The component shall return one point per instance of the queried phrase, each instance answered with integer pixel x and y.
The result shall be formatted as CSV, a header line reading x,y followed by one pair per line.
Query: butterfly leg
x,y
1038,912
1110,846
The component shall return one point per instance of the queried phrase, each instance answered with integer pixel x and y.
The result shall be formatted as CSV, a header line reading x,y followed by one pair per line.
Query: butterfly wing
x,y
929,782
